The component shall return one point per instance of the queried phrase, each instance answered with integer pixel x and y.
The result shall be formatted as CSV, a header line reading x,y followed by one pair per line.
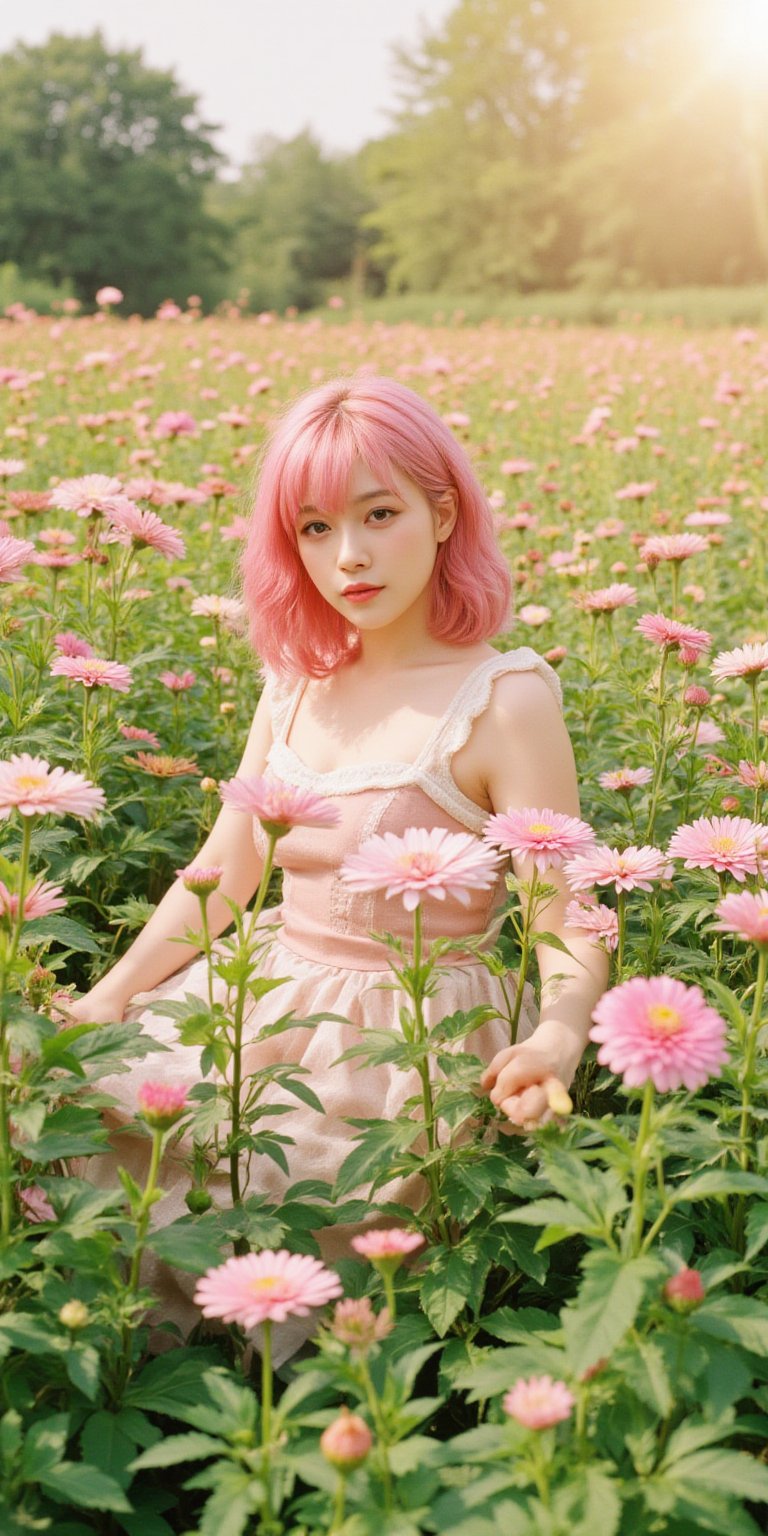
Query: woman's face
x,y
373,560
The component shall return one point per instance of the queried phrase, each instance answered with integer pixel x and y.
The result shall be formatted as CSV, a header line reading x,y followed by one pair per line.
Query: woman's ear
x,y
445,511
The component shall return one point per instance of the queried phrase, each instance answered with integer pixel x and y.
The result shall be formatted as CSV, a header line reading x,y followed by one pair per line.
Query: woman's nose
x,y
352,552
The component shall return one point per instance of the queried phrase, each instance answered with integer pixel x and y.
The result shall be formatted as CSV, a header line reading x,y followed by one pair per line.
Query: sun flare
x,y
740,34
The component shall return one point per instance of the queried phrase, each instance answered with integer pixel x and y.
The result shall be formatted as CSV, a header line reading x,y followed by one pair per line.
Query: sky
x,y
257,66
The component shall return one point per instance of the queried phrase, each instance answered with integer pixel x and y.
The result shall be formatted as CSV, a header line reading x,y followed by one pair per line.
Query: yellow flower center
x,y
541,826
724,844
665,1019
418,863
264,1283
30,781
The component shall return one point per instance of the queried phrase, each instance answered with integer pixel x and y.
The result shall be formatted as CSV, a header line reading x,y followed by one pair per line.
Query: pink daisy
x,y
41,899
266,1286
68,643
673,546
129,525
655,1029
35,1204
424,861
636,490
161,1104
29,785
138,733
14,555
177,682
387,1243
230,610
175,424
539,1402
727,844
625,779
10,467
87,495
276,805
357,1325
595,919
745,913
671,633
754,775
548,837
626,869
202,879
93,672
109,295
607,599
745,661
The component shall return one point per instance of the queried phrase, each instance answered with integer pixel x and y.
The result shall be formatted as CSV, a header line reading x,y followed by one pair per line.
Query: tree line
x,y
536,144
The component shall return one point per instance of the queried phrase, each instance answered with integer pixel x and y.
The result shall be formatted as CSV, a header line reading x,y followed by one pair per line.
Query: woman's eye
x,y
382,514
313,527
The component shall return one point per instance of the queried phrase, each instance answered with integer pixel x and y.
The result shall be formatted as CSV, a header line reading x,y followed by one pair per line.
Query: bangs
x,y
318,466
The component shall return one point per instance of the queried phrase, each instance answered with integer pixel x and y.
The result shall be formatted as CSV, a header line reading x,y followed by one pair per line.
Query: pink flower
x,y
14,555
387,1243
608,599
658,1030
671,633
685,1290
745,661
29,785
69,644
41,899
35,1204
276,805
93,672
129,525
177,682
596,919
356,1325
175,424
534,614
87,495
673,546
547,836
637,490
539,1402
728,844
423,861
161,1104
138,733
754,775
347,1441
516,466
625,779
266,1286
230,610
202,879
108,295
696,697
10,467
746,914
625,869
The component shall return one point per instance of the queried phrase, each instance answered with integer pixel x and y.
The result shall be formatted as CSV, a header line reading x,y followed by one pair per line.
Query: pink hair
x,y
309,457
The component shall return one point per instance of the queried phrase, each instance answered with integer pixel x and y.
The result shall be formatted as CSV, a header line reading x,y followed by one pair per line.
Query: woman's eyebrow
x,y
365,496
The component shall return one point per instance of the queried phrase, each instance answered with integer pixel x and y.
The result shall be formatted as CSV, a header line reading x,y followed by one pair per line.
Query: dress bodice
x,y
322,919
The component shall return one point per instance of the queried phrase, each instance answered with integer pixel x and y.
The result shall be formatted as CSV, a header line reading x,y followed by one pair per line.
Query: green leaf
x,y
606,1306
82,1363
172,1382
44,1443
757,1229
63,930
193,1243
71,1131
740,1319
718,1181
106,1445
643,1368
85,1486
724,1471
236,1497
175,1448
450,1280
370,1159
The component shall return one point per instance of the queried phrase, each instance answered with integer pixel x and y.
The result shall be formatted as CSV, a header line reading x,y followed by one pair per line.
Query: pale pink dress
x,y
323,946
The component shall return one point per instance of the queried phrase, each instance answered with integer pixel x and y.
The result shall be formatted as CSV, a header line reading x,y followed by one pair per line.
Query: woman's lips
x,y
361,594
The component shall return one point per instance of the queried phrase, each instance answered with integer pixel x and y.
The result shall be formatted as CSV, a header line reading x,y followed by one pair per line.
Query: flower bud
x,y
685,1290
198,1201
201,879
346,1442
162,1104
729,803
74,1314
209,786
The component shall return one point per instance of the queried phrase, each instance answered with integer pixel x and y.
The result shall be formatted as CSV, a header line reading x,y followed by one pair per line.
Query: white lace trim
x,y
431,770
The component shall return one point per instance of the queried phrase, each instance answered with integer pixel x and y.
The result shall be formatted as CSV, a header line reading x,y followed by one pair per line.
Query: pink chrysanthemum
x,y
109,295
357,1325
129,525
607,599
14,555
175,424
139,733
673,546
601,922
539,1402
625,779
387,1243
161,1104
266,1286
230,610
68,643
41,899
626,869
88,494
754,775
546,836
671,633
422,862
655,1029
745,661
31,786
728,844
10,467
202,879
276,805
35,1204
636,490
93,672
745,913
177,682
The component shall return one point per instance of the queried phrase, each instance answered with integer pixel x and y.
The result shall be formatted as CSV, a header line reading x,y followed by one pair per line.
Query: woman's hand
x,y
529,1085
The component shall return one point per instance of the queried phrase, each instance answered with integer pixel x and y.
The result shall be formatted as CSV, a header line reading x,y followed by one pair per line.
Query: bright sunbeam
x,y
740,34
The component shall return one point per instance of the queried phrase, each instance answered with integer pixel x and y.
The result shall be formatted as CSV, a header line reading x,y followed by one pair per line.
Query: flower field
x,y
571,1333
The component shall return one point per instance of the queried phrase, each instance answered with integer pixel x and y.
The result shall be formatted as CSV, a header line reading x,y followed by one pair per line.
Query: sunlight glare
x,y
741,34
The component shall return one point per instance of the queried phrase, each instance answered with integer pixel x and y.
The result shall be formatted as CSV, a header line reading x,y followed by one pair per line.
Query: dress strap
x,y
285,690
472,699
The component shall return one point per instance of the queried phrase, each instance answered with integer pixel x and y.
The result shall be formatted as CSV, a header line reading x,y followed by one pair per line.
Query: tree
x,y
296,215
103,166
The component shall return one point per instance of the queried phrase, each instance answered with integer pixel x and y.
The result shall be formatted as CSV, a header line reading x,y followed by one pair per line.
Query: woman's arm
x,y
153,956
530,763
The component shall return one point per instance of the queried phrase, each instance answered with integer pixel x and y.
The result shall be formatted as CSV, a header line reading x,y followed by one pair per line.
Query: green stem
x,y
339,1500
207,944
266,1413
430,1124
641,1168
621,913
263,884
237,1068
142,1223
525,952
749,1058
753,683
658,772
381,1433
